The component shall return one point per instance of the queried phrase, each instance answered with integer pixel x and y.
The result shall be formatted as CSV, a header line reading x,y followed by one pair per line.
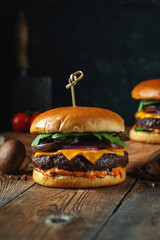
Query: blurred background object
x,y
115,43
28,93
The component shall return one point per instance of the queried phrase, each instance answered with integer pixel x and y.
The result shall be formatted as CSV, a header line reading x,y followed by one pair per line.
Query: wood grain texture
x,y
42,212
11,187
138,217
130,210
140,154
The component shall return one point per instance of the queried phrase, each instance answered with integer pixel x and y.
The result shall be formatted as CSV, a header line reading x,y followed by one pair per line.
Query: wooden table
x,y
128,211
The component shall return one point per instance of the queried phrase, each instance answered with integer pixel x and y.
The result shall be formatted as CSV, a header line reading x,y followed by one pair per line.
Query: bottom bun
x,y
146,137
60,181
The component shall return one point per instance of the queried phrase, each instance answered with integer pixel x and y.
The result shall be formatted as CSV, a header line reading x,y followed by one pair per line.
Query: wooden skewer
x,y
73,79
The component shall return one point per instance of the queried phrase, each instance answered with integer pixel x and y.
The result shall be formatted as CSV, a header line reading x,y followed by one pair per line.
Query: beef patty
x,y
79,163
148,123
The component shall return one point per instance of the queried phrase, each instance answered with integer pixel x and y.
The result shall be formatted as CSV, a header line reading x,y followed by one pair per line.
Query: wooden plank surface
x,y
138,217
140,154
127,211
11,187
45,213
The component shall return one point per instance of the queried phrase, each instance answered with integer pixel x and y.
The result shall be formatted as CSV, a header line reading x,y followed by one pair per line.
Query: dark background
x,y
115,43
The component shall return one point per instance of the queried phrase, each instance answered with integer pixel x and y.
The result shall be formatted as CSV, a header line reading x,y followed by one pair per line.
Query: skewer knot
x,y
73,79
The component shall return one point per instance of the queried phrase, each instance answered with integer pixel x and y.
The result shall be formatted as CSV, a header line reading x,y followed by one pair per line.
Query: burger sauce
x,y
90,174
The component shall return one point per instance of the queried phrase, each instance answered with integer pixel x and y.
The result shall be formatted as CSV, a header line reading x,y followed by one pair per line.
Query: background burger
x,y
78,147
147,127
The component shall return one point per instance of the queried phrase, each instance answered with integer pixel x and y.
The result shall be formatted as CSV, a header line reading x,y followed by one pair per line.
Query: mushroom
x,y
13,156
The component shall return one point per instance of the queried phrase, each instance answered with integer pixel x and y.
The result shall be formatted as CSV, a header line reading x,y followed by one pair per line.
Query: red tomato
x,y
34,115
20,122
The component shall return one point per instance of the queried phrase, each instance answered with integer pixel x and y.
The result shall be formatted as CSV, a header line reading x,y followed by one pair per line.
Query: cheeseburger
x,y
79,147
147,127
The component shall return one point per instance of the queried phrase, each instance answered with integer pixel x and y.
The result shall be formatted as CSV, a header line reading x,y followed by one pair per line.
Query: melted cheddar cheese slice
x,y
157,131
143,114
90,155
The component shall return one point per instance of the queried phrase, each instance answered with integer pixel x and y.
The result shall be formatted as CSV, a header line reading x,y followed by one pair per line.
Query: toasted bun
x,y
146,137
149,89
60,181
77,119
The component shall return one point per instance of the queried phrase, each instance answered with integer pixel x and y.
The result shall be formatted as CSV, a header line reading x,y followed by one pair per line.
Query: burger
x,y
147,126
79,147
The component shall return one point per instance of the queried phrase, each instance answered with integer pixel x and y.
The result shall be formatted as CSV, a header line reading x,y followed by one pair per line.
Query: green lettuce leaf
x,y
140,129
109,136
146,102
63,136
39,137
113,139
